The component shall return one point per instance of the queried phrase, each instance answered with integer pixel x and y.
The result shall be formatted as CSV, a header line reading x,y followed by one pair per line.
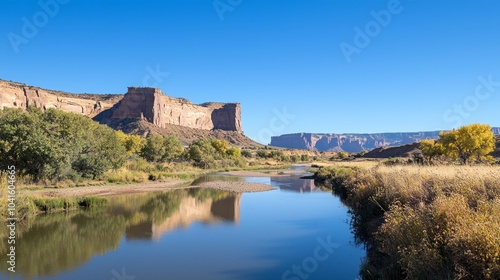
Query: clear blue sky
x,y
271,55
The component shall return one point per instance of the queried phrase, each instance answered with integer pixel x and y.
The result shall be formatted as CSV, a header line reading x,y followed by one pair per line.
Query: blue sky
x,y
416,65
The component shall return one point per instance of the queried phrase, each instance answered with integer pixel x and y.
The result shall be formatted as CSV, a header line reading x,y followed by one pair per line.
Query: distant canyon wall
x,y
352,143
149,104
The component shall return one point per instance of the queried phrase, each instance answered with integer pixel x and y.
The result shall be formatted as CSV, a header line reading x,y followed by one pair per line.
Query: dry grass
x,y
427,222
355,163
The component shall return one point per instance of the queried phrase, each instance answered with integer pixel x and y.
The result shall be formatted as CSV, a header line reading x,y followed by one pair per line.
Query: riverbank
x,y
35,200
113,190
423,222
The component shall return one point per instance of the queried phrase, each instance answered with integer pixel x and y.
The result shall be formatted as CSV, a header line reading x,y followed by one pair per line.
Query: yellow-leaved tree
x,y
431,148
468,142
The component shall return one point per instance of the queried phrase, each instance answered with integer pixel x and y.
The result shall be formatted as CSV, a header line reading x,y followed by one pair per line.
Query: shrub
x,y
246,153
295,158
262,154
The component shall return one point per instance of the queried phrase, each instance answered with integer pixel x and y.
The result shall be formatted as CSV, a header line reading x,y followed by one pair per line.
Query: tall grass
x,y
421,222
28,206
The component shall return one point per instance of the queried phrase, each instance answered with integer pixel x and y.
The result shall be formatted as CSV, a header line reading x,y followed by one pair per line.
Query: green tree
x,y
173,148
262,154
295,158
159,148
202,153
106,151
57,145
246,153
25,143
207,153
304,157
468,142
277,155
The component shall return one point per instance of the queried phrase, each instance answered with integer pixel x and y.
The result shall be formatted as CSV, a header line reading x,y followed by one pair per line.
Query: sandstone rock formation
x,y
151,105
141,111
16,95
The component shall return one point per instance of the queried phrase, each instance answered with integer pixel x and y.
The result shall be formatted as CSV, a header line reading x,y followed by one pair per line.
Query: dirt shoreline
x,y
238,187
264,173
113,190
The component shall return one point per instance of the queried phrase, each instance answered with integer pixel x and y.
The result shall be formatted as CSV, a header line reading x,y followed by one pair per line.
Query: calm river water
x,y
295,232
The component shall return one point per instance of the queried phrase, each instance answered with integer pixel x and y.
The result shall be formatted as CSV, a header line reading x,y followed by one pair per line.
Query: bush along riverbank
x,y
423,222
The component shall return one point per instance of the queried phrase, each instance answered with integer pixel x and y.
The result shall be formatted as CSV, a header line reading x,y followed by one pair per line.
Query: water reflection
x,y
298,185
294,183
189,209
62,241
258,237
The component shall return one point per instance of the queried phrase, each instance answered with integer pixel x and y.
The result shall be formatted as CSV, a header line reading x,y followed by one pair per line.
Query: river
x,y
297,231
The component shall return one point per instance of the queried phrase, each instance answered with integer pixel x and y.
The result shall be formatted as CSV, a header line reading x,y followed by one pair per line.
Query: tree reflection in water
x,y
58,242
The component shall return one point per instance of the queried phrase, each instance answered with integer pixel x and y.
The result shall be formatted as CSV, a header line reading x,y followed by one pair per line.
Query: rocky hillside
x,y
186,134
409,149
351,143
392,152
140,110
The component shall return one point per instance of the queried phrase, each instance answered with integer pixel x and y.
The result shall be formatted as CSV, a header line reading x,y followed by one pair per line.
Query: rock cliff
x,y
153,106
351,143
140,110
17,95
347,142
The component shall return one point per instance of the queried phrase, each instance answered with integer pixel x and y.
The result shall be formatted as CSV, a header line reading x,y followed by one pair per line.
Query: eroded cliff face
x,y
16,95
144,104
352,143
152,105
